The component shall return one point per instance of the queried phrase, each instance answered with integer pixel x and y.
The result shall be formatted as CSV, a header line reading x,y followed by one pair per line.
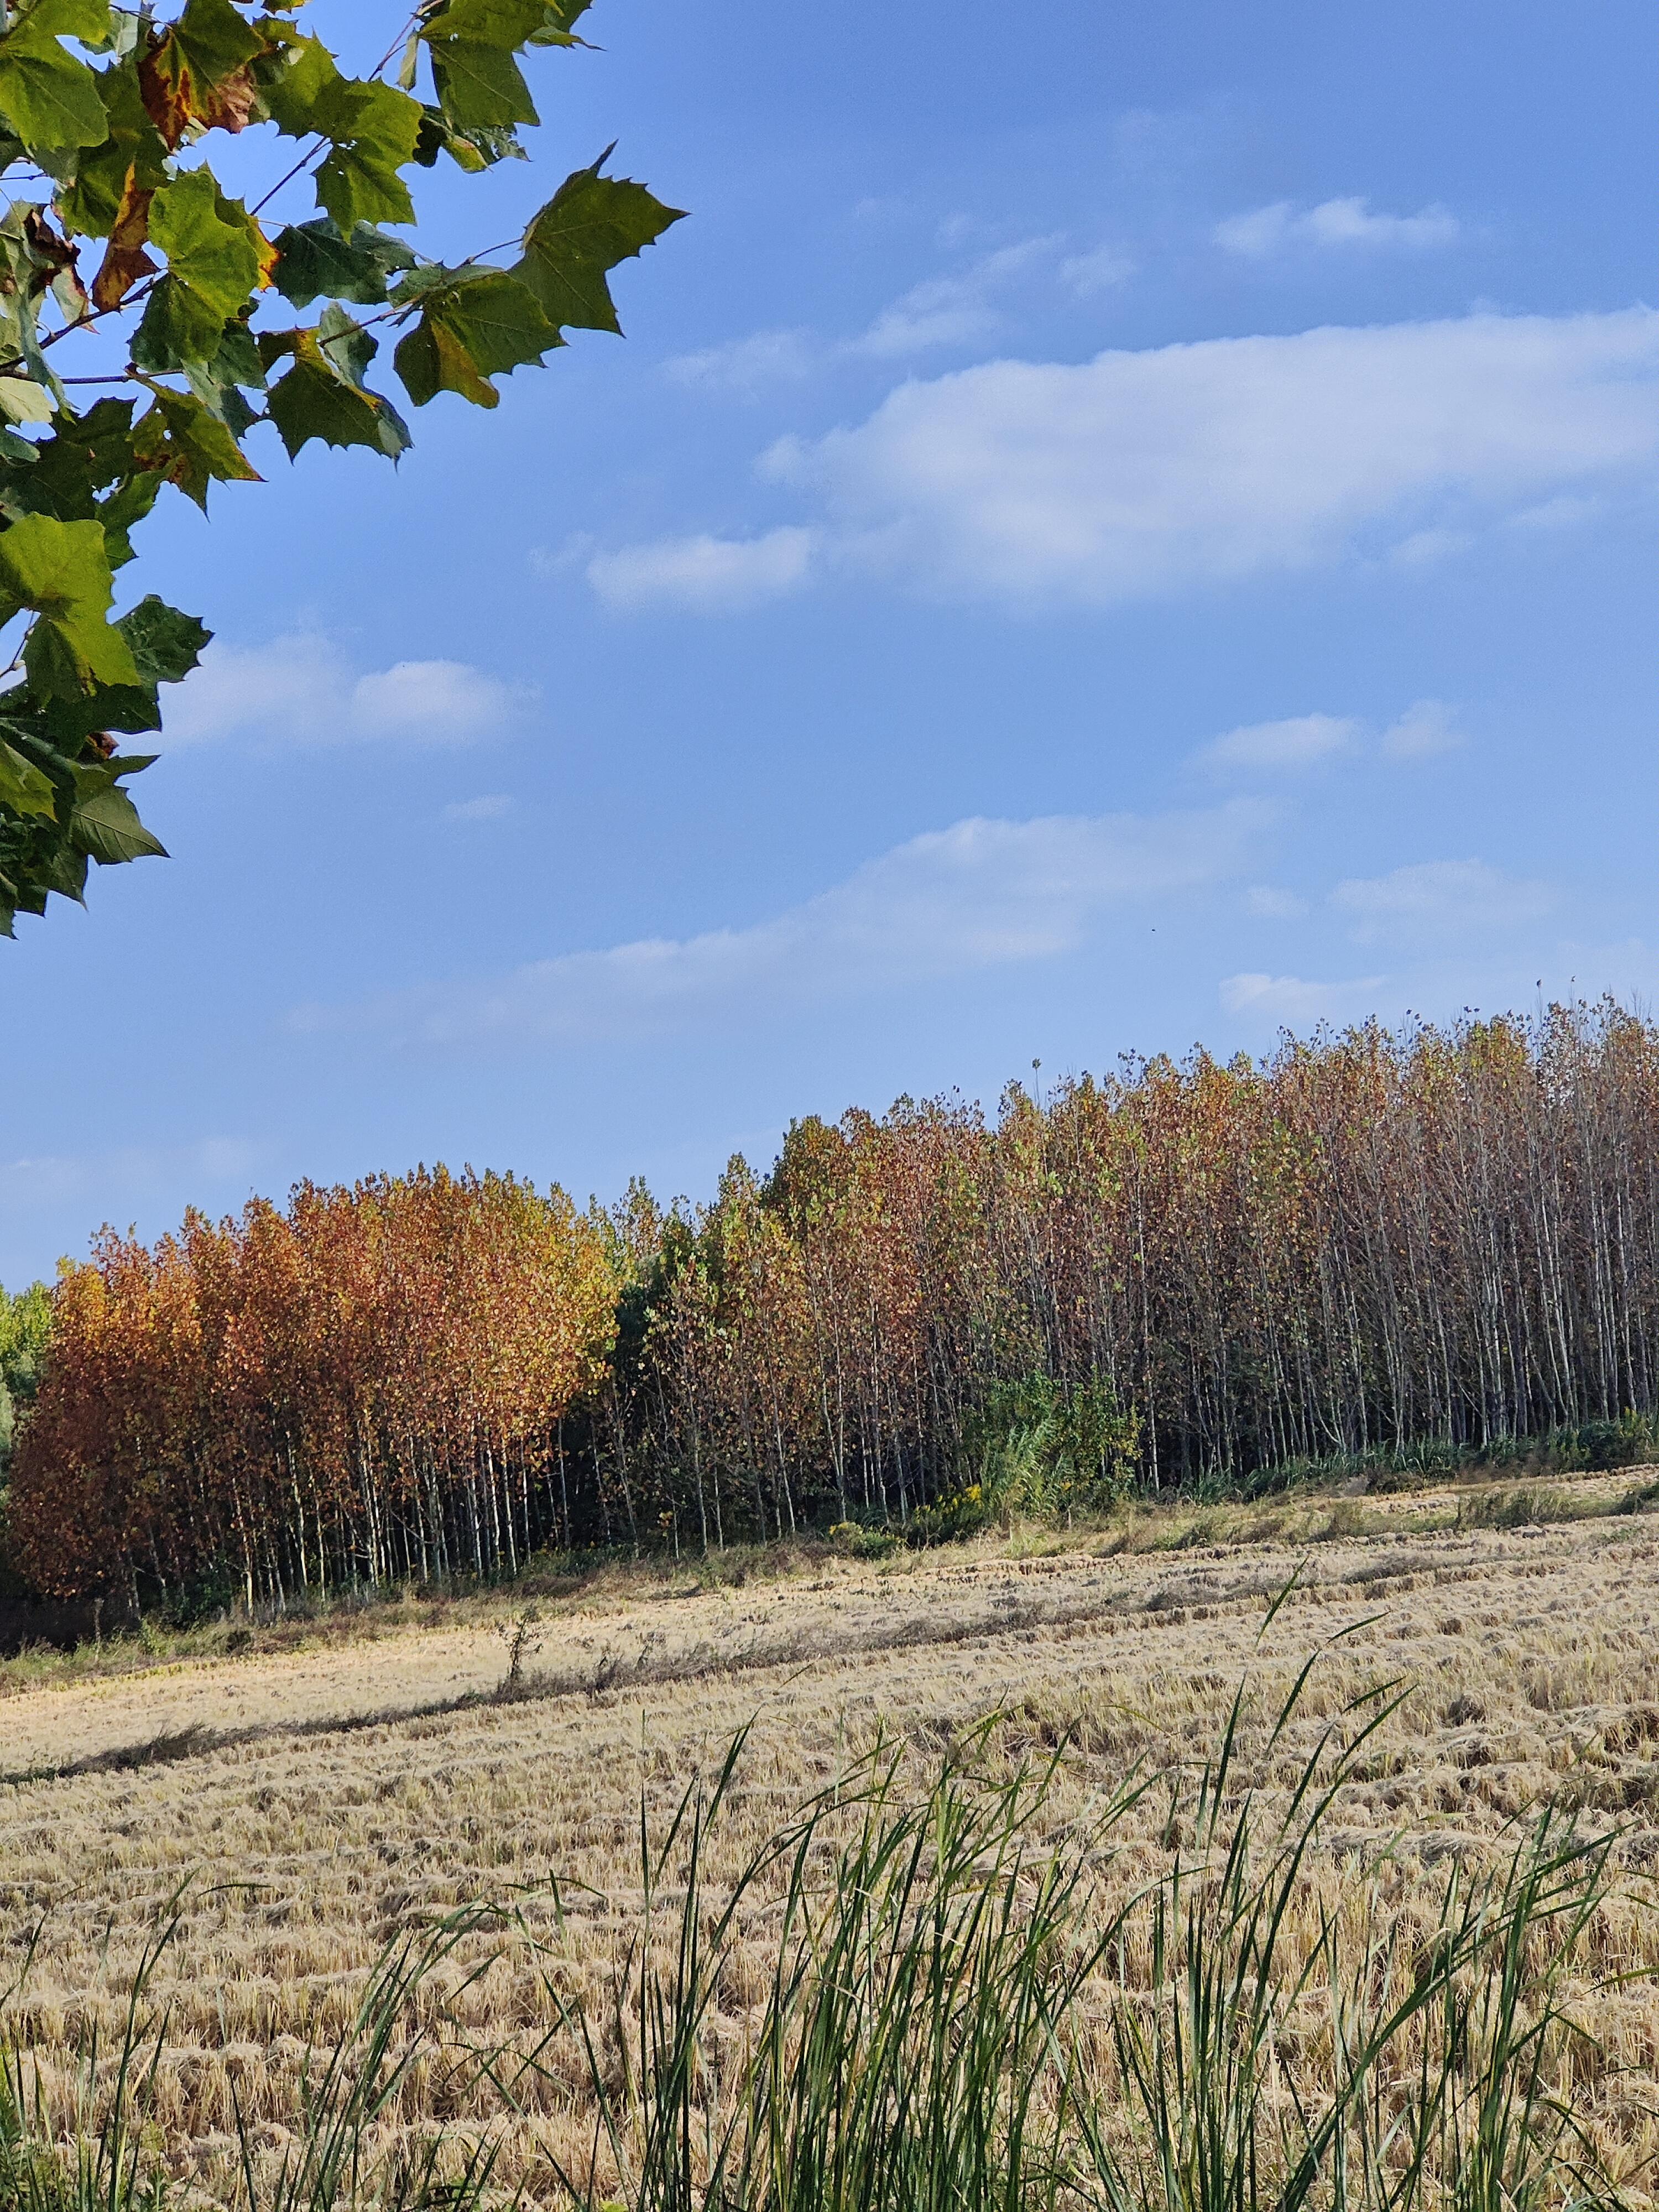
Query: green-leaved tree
x,y
198,317
25,1326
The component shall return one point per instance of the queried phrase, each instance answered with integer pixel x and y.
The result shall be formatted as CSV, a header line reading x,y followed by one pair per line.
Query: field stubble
x,y
315,1801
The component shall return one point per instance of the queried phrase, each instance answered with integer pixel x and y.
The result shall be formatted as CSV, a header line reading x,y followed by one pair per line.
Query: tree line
x,y
1187,1272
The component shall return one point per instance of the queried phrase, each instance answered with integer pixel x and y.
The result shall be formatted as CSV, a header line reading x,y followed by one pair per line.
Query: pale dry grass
x,y
317,1799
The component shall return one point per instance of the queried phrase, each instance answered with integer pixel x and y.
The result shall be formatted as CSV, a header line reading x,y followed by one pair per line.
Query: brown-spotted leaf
x,y
229,105
52,252
199,71
124,260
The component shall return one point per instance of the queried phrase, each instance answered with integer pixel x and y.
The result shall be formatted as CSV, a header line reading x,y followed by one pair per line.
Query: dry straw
x,y
929,1988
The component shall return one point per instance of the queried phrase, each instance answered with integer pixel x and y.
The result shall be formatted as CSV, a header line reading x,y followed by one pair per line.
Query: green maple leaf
x,y
213,40
217,383
64,475
84,455
91,200
591,223
560,17
165,644
209,241
478,147
473,324
346,344
106,827
214,267
23,788
292,78
183,440
509,23
373,127
48,98
479,86
62,571
87,21
471,44
323,396
316,260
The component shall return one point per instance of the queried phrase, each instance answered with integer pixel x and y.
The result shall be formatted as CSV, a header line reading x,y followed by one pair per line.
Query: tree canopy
x,y
25,1325
201,318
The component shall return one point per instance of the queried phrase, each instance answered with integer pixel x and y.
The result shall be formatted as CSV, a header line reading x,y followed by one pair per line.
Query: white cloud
x,y
711,575
1274,905
430,699
946,310
1294,1002
1141,473
1427,727
1299,743
300,690
1088,273
487,806
1436,899
1427,549
981,895
1566,512
746,364
1333,222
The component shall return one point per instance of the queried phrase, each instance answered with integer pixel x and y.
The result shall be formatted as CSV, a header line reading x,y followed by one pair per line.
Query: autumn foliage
x,y
359,1388
1368,1243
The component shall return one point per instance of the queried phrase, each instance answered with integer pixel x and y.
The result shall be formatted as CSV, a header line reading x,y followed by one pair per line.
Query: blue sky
x,y
1111,528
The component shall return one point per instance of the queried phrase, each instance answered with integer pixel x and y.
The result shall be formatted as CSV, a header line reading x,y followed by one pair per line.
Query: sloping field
x,y
314,1798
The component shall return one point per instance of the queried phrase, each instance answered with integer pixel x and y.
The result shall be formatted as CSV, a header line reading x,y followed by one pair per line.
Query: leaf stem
x,y
309,155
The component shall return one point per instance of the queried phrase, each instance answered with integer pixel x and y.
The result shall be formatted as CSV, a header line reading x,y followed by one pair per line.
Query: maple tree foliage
x,y
183,302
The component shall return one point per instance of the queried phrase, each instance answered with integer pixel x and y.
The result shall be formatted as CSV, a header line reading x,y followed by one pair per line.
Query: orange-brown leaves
x,y
284,1394
124,260
198,73
228,105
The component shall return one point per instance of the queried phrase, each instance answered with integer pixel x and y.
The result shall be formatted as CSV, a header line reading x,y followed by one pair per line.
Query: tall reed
x,y
958,2012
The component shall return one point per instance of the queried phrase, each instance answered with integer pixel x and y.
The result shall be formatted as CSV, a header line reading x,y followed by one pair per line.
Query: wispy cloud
x,y
1339,223
1097,272
300,690
1299,743
123,1177
747,364
1274,904
951,309
1296,1002
980,895
487,806
710,576
1427,728
946,310
1435,900
1140,474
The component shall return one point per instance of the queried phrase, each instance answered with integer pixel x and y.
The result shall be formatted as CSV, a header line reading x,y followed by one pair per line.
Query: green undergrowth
x,y
1587,1448
1339,1500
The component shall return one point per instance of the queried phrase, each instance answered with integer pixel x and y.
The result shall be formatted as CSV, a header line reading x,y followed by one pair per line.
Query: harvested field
x,y
316,1797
